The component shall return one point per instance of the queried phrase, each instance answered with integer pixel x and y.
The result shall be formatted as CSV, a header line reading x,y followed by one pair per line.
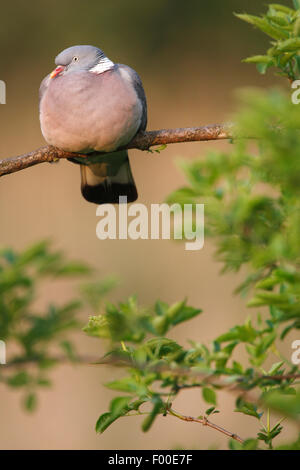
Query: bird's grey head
x,y
81,58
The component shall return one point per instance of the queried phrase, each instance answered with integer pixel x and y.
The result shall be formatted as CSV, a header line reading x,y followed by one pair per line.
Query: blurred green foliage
x,y
37,340
282,24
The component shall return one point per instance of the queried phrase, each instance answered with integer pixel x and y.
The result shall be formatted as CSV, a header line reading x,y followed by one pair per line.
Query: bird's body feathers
x,y
85,111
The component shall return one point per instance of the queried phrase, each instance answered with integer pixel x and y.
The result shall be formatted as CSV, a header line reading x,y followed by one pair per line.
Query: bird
x,y
90,105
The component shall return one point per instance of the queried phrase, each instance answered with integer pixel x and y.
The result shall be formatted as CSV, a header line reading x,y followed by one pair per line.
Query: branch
x,y
207,378
143,141
205,422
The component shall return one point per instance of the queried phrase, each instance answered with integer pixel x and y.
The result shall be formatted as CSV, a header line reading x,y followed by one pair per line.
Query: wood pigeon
x,y
90,105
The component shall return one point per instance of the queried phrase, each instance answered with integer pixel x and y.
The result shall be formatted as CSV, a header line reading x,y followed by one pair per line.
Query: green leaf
x,y
250,444
160,148
69,350
290,45
263,67
73,268
285,404
279,19
104,421
275,368
264,25
238,368
161,308
211,411
262,62
30,402
180,312
162,348
34,253
20,379
282,8
209,395
126,384
43,382
234,445
258,59
244,333
161,325
247,408
119,406
158,407
9,255
296,4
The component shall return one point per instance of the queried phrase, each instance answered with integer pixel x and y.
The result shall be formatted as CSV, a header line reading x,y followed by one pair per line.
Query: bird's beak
x,y
57,71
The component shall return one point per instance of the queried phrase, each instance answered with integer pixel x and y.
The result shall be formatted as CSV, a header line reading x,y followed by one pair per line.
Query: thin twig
x,y
205,422
280,377
143,141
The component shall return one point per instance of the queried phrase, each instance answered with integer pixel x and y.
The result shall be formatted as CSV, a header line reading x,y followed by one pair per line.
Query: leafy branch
x,y
282,25
38,338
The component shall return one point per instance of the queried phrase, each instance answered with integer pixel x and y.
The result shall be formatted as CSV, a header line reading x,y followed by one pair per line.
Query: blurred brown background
x,y
189,57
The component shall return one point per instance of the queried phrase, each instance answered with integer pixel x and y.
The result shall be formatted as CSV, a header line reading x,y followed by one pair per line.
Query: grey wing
x,y
138,86
43,87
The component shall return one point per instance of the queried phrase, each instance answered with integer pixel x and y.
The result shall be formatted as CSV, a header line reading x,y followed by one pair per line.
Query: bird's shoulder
x,y
133,77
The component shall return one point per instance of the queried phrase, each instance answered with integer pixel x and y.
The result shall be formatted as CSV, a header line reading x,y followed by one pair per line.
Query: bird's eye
x,y
75,58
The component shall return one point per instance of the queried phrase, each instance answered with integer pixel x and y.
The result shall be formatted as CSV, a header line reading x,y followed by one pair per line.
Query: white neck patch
x,y
102,66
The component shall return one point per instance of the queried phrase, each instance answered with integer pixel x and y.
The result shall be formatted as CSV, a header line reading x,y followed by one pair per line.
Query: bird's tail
x,y
103,182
